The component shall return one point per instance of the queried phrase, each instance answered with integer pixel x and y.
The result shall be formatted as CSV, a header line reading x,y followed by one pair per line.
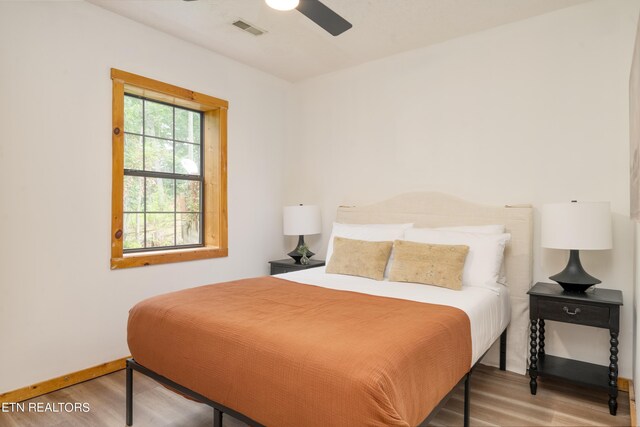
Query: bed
x,y
313,348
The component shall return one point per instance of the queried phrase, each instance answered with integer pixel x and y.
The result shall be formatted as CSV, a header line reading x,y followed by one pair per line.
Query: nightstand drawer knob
x,y
571,313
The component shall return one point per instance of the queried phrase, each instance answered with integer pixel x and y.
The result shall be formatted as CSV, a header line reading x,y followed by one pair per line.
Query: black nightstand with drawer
x,y
287,265
599,308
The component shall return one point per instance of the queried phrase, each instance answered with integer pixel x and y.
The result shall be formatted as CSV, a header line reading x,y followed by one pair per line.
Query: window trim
x,y
214,152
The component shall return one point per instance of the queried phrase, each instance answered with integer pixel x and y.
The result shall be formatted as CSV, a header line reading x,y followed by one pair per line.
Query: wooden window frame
x,y
214,150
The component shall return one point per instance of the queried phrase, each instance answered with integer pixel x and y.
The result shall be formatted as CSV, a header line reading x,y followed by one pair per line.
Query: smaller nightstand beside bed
x,y
599,308
288,265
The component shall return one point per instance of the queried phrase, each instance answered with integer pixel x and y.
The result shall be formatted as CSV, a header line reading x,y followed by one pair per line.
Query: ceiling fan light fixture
x,y
282,4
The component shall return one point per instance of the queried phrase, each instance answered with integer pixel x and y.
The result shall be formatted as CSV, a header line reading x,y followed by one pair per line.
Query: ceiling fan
x,y
315,10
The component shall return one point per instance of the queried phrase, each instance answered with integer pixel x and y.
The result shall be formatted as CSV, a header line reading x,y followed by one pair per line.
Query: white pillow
x,y
482,229
486,252
368,232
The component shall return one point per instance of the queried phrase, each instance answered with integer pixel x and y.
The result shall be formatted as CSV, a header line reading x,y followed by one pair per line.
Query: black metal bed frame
x,y
219,409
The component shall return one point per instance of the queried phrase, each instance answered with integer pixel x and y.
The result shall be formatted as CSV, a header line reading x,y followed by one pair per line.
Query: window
x,y
169,173
162,176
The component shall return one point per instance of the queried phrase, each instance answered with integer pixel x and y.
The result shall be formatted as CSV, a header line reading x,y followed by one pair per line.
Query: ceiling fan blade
x,y
333,23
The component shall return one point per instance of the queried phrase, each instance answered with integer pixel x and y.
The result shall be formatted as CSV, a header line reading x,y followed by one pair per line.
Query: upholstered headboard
x,y
431,209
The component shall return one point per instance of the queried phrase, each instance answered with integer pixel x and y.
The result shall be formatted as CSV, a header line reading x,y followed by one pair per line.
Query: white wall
x,y
61,308
535,111
634,134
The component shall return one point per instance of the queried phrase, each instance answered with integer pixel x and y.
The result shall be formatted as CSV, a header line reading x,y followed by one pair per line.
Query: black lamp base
x,y
573,278
296,255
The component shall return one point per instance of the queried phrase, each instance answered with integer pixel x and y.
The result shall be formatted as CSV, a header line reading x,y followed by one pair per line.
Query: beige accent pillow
x,y
359,258
438,265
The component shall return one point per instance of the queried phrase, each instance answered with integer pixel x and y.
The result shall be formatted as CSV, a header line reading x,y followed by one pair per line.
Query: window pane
x,y
188,229
160,230
187,125
132,114
187,196
160,195
158,155
133,194
132,152
187,159
133,231
158,120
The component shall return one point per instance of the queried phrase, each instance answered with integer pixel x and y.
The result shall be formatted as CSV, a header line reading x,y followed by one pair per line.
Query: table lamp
x,y
576,226
300,221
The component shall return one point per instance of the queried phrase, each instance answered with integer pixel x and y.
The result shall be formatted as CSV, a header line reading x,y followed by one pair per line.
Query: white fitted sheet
x,y
488,309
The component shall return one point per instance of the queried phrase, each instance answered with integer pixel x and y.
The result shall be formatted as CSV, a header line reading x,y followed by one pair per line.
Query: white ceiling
x,y
294,48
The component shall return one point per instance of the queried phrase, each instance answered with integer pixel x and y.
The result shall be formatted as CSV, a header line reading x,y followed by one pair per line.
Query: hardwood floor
x,y
497,399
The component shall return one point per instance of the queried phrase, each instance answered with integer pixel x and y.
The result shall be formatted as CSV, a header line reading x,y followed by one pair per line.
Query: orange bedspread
x,y
288,354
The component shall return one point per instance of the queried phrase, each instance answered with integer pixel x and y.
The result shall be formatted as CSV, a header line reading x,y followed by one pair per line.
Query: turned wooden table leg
x,y
613,374
540,338
533,361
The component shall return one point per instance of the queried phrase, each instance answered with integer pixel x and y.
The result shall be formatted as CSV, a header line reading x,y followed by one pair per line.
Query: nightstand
x,y
597,307
287,265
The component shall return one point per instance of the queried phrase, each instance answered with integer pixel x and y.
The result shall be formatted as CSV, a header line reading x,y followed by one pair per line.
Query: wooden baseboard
x,y
623,384
58,383
632,404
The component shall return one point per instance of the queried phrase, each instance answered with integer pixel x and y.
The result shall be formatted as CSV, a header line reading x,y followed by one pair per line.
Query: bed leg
x,y
503,351
466,399
129,397
217,418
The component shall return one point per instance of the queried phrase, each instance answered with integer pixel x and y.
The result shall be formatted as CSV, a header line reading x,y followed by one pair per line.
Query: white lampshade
x,y
301,220
282,4
576,225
